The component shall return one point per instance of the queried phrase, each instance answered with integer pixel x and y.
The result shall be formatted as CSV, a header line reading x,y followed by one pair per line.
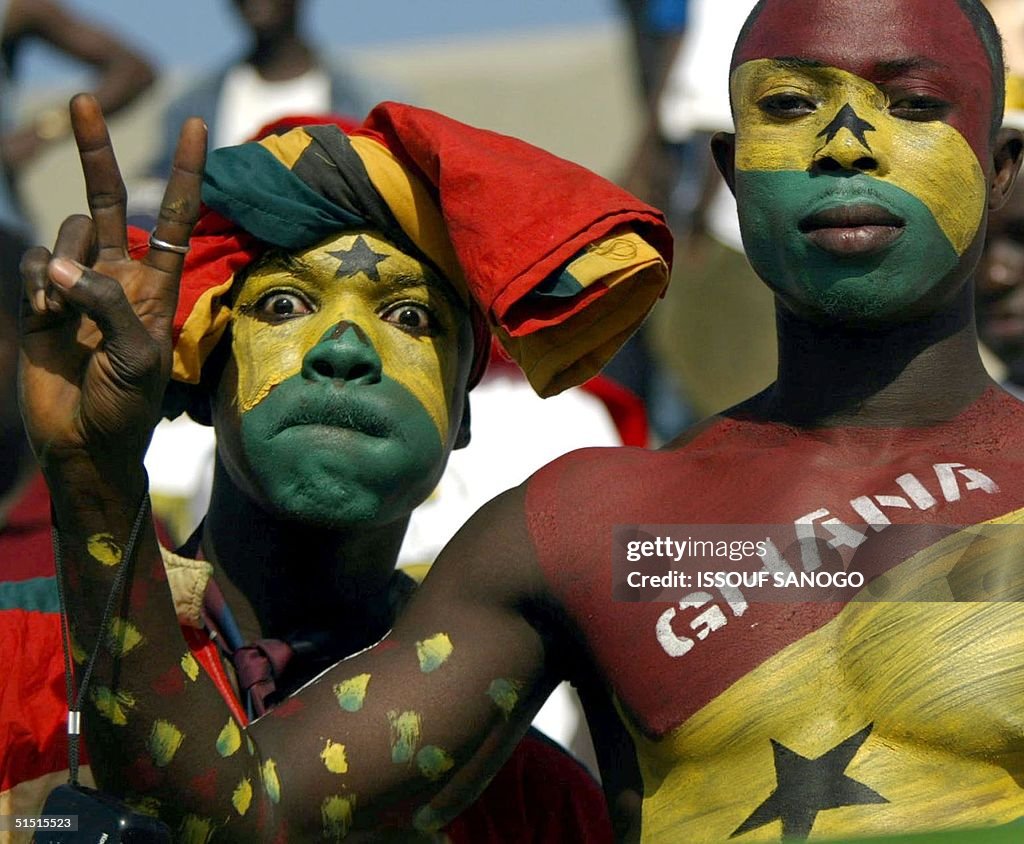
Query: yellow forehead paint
x,y
930,159
268,353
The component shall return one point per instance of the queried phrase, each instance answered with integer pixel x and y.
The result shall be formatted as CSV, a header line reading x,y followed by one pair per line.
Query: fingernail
x,y
64,272
40,301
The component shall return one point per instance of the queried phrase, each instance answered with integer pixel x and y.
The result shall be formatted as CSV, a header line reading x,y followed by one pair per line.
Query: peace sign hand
x,y
96,325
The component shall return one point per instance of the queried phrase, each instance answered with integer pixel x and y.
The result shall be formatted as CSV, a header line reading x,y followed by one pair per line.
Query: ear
x,y
1006,160
723,148
462,436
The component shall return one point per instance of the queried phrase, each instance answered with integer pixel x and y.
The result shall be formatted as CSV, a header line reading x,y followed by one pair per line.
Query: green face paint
x,y
874,285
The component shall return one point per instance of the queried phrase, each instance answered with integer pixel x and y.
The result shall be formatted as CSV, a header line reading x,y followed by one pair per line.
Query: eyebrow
x,y
405,281
896,67
795,62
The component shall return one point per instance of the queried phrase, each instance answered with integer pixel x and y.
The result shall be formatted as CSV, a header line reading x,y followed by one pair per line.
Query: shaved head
x,y
774,29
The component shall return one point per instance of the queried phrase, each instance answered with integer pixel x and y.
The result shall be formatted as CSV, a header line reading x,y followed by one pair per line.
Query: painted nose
x,y
344,354
846,146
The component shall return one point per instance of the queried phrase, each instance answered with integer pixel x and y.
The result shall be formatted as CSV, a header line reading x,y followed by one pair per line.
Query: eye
x,y
919,108
280,305
412,317
787,105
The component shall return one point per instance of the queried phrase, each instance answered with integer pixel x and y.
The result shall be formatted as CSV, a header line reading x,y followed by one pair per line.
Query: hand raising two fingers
x,y
96,335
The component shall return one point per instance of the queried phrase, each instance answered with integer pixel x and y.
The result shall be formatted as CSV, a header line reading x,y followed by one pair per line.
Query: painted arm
x,y
408,732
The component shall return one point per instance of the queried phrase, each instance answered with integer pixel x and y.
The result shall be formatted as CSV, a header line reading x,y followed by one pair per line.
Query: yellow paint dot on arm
x,y
336,813
505,694
271,783
241,797
103,549
334,758
111,705
230,739
164,741
433,762
123,637
190,666
434,652
352,692
405,735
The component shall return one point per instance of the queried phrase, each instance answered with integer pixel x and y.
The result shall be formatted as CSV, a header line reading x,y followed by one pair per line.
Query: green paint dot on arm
x,y
112,706
352,692
405,735
123,637
271,783
505,694
195,830
433,762
434,652
230,739
336,813
164,741
427,819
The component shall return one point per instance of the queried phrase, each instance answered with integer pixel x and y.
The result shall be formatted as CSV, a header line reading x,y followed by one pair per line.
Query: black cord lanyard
x,y
75,704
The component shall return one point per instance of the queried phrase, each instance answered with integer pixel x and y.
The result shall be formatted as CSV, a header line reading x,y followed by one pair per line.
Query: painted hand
x,y
96,327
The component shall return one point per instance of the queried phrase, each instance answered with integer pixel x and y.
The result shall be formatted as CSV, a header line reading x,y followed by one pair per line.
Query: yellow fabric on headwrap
x,y
413,207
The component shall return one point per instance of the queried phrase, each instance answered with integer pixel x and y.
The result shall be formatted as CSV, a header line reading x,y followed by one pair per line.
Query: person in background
x,y
123,75
280,73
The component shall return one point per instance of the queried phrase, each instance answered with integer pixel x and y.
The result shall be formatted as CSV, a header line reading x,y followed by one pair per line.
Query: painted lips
x,y
852,230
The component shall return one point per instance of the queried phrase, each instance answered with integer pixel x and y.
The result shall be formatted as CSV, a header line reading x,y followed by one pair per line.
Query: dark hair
x,y
985,28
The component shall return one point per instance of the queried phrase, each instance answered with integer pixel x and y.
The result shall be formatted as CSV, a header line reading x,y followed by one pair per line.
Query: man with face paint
x,y
865,158
326,327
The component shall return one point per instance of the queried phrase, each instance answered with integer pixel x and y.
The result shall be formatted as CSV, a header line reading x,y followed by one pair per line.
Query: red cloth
x,y
489,188
33,711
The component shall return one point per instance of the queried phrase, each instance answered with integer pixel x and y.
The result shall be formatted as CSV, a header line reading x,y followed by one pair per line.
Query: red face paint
x,y
913,47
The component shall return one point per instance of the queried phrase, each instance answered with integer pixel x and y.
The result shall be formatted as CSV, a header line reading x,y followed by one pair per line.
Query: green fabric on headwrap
x,y
249,186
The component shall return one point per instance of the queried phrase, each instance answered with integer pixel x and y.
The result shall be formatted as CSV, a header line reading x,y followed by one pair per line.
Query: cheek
x,y
268,355
935,164
426,367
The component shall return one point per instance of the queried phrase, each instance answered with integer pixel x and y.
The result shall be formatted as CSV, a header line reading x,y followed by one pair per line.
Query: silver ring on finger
x,y
163,245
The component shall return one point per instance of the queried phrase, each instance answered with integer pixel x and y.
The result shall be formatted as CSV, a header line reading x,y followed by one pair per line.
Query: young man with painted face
x,y
864,161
